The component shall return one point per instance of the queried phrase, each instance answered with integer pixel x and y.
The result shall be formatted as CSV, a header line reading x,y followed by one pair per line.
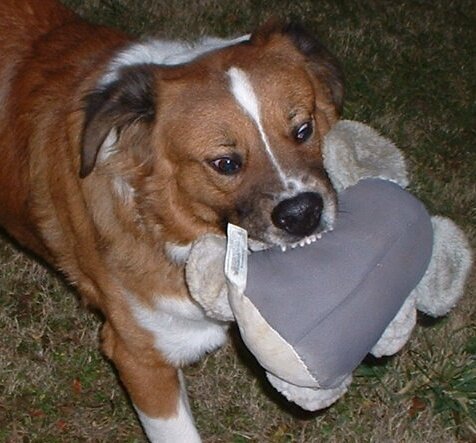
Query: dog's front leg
x,y
178,425
156,389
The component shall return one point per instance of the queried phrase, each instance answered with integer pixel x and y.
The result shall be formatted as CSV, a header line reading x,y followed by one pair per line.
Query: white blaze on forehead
x,y
244,94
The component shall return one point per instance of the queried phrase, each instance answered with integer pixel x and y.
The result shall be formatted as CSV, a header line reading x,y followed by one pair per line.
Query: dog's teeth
x,y
305,241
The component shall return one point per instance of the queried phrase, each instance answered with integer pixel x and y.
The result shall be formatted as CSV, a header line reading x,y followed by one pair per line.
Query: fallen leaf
x,y
61,425
77,388
37,413
418,405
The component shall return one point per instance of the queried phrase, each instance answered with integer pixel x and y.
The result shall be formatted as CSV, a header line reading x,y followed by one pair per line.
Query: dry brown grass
x,y
410,74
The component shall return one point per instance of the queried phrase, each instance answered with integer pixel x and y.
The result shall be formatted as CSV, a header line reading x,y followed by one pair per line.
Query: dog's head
x,y
232,136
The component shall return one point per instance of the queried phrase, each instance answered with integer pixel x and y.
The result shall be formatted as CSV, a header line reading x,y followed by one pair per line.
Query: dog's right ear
x,y
320,61
126,101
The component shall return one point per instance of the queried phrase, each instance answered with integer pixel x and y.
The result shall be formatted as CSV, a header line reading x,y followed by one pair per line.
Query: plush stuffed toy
x,y
310,315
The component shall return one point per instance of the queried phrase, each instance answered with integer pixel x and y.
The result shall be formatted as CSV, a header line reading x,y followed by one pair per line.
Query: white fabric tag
x,y
236,258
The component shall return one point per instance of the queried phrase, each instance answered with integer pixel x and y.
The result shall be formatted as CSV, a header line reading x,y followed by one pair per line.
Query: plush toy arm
x,y
206,279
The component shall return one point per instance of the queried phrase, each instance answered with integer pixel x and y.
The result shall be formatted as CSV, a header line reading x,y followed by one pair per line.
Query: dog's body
x,y
116,155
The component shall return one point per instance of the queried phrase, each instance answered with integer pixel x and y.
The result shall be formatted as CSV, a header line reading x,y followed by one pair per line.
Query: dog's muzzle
x,y
299,215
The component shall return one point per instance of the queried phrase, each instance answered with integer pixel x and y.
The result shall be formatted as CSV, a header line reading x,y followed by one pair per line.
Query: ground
x,y
411,74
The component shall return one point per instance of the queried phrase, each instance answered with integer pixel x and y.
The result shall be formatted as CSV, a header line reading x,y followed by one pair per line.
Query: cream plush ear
x,y
129,100
353,151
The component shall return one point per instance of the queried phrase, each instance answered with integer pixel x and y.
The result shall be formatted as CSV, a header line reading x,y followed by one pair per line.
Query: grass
x,y
411,74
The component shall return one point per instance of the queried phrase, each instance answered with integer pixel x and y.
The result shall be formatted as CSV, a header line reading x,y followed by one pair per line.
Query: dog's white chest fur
x,y
182,332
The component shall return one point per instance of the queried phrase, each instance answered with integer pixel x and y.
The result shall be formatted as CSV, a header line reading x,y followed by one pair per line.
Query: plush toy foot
x,y
443,283
398,331
310,399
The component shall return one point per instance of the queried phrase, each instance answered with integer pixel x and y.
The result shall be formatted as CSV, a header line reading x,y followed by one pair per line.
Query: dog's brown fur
x,y
105,220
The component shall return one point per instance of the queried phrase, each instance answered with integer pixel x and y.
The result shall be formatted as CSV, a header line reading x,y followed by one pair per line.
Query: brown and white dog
x,y
117,154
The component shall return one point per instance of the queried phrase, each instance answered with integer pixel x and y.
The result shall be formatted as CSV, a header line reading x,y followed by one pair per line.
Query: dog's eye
x,y
303,132
226,165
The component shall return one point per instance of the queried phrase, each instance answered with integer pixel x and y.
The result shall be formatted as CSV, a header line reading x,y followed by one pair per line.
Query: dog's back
x,y
23,21
22,24
34,35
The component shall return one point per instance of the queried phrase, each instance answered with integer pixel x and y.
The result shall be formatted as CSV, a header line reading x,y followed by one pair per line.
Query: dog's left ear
x,y
126,101
321,62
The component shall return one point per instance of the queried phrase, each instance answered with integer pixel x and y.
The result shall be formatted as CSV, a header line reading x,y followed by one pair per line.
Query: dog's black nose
x,y
299,215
